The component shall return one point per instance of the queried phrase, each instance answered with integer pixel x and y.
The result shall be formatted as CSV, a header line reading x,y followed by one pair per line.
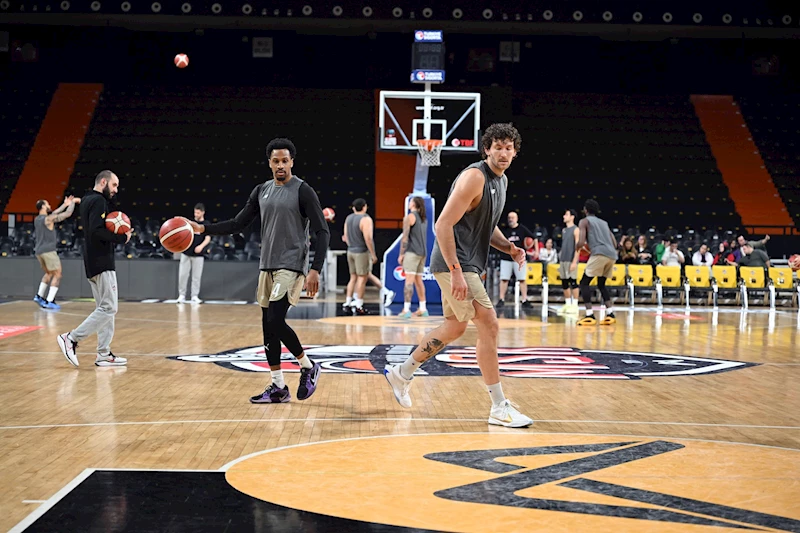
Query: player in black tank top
x,y
476,203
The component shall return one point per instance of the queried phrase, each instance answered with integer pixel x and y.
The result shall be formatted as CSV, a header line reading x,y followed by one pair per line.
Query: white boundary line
x,y
51,501
523,433
378,419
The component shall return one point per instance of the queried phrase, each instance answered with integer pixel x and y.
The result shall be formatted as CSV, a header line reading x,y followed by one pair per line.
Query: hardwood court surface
x,y
679,440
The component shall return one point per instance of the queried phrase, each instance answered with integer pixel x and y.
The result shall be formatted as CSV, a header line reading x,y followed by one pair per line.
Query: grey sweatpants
x,y
101,321
195,264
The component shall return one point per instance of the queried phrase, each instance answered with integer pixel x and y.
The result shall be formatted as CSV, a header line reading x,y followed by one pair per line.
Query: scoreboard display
x,y
428,57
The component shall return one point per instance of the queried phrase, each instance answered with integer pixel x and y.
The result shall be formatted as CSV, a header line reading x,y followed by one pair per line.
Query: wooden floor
x,y
164,413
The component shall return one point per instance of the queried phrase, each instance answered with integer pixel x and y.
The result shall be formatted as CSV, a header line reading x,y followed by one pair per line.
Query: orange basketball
x,y
181,61
176,235
118,222
794,262
528,243
329,214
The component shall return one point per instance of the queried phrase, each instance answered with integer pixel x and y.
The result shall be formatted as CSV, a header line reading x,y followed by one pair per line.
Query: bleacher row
x,y
710,282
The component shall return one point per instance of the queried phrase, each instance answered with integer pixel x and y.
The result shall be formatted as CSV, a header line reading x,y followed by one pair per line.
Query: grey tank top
x,y
284,231
356,244
45,238
567,244
418,237
599,238
473,232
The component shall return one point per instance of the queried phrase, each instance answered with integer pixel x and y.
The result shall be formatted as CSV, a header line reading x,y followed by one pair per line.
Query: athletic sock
x,y
408,367
609,311
42,290
305,361
52,295
277,378
348,300
422,305
406,307
569,301
496,394
358,302
589,312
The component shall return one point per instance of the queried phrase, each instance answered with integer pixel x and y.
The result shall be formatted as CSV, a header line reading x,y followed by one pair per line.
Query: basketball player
x,y
192,260
288,205
413,252
515,233
358,229
45,226
568,267
603,249
466,228
98,259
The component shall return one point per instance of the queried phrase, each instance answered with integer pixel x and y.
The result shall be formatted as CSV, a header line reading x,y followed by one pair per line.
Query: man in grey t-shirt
x,y
288,207
46,243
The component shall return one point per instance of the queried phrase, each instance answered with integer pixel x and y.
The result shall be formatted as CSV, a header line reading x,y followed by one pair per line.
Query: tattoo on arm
x,y
433,347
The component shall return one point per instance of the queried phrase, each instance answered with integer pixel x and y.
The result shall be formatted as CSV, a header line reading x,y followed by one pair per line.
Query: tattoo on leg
x,y
408,292
433,347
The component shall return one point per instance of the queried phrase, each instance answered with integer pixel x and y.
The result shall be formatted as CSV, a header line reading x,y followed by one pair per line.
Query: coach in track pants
x,y
98,259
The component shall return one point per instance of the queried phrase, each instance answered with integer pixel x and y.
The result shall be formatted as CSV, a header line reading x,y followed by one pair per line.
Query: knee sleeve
x,y
565,284
601,284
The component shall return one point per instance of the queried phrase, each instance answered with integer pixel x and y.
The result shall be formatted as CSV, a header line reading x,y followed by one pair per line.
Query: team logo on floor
x,y
535,482
526,362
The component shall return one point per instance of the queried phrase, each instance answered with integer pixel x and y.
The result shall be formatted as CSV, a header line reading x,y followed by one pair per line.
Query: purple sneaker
x,y
308,382
273,394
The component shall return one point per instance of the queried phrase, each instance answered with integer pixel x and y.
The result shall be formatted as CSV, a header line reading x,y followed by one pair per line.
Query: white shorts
x,y
509,267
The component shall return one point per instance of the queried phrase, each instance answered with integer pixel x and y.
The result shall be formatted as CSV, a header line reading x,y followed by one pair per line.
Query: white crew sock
x,y
569,300
42,290
348,300
304,361
410,366
422,305
589,312
609,310
406,307
277,378
496,394
358,302
52,295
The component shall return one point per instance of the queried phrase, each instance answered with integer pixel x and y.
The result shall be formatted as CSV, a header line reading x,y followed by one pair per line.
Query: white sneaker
x,y
388,298
506,414
563,310
110,360
180,300
68,346
574,309
400,385
196,300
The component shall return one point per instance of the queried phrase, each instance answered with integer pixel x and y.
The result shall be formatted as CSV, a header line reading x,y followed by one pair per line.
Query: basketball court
x,y
672,419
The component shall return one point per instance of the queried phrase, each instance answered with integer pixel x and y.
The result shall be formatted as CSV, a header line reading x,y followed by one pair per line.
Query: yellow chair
x,y
670,276
753,277
641,275
782,278
553,275
725,276
699,277
534,274
618,277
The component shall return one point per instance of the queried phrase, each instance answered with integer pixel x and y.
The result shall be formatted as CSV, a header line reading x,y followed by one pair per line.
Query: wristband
x,y
453,267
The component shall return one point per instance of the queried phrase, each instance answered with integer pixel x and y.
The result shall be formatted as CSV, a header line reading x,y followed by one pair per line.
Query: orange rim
x,y
429,144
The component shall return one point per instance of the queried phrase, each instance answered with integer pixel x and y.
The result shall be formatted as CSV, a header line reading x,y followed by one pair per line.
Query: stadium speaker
x,y
216,8
95,6
307,10
697,18
608,16
125,7
727,18
427,12
337,11
247,9
488,13
667,17
366,11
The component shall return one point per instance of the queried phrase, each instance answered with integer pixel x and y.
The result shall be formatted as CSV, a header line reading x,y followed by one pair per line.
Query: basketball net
x,y
430,151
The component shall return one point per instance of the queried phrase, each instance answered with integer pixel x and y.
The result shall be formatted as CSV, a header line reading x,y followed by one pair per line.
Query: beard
x,y
107,193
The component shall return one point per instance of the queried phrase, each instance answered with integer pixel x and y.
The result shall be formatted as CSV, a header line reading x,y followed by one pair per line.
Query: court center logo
x,y
519,362
536,482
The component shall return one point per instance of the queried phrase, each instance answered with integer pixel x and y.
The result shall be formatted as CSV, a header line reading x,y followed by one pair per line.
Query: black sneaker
x,y
527,304
273,394
360,311
308,381
500,304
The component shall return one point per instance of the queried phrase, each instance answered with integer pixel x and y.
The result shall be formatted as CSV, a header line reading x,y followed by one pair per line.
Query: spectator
x,y
736,253
752,257
702,257
722,254
643,255
548,254
757,245
672,256
627,254
661,248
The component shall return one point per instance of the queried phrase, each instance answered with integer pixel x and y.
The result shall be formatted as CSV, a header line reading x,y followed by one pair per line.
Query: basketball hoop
x,y
430,151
